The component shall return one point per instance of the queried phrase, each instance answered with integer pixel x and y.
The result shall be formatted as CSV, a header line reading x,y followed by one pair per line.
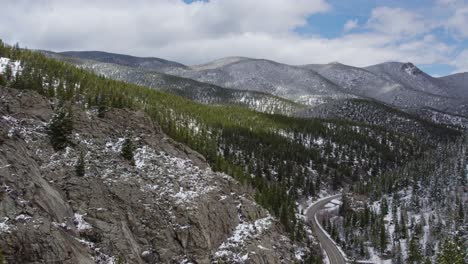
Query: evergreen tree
x,y
102,107
300,231
383,237
461,213
3,80
102,111
60,128
284,219
8,73
452,252
80,165
404,231
414,252
128,148
396,233
345,205
384,206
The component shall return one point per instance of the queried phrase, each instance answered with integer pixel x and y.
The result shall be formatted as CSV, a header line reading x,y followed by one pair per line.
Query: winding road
x,y
333,253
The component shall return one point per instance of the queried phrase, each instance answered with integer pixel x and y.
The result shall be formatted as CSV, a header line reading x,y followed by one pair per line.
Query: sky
x,y
433,34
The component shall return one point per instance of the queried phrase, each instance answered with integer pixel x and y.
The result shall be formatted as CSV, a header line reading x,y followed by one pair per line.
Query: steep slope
x,y
410,76
357,80
441,117
398,84
149,63
169,207
290,82
197,91
375,113
457,83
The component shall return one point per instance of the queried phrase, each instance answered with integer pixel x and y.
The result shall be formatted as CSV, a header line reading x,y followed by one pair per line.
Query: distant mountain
x,y
410,76
400,84
267,86
290,82
149,63
358,81
457,83
197,91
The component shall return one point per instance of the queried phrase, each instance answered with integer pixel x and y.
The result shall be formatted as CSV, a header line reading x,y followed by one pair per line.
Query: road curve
x,y
334,254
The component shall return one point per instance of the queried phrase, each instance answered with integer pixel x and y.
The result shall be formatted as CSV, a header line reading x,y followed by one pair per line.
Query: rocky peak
x,y
410,68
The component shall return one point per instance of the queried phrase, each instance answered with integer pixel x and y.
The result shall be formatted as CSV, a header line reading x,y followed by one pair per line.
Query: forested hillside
x,y
282,158
415,214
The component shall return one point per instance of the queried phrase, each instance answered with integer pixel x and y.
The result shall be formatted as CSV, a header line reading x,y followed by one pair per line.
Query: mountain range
x,y
272,87
109,158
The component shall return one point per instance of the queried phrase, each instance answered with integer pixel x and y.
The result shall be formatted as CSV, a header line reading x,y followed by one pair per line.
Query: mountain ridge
x,y
401,85
194,90
152,63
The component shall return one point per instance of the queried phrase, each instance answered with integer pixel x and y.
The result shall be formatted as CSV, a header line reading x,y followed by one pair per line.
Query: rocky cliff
x,y
165,207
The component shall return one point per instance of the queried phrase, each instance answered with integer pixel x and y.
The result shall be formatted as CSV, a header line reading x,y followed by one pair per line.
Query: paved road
x,y
330,248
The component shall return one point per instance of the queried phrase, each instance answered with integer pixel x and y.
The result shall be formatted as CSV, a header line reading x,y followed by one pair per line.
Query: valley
x,y
109,158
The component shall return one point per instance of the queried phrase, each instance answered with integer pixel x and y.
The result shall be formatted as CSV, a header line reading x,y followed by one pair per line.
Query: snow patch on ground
x,y
243,233
4,226
99,257
15,66
22,217
80,223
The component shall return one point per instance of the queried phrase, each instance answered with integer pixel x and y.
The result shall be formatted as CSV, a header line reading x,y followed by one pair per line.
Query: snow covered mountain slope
x,y
398,84
457,83
358,81
194,90
290,82
226,81
149,63
410,76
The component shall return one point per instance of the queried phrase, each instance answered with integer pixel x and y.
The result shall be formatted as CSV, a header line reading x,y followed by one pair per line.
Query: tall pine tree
x,y
128,148
60,128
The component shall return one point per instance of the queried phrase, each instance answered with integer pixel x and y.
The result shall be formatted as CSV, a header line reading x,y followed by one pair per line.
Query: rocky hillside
x,y
166,206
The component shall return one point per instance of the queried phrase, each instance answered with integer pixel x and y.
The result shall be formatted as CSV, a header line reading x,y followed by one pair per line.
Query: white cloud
x,y
350,25
202,31
398,21
461,61
459,22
